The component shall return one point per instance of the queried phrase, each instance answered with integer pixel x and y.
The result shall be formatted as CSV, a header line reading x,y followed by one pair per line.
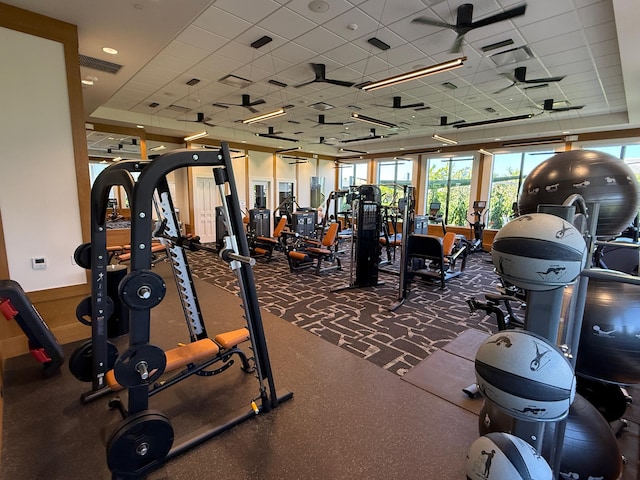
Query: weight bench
x,y
156,247
196,356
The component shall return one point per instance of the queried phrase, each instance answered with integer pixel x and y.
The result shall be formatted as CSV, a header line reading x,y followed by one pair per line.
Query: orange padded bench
x,y
193,352
155,248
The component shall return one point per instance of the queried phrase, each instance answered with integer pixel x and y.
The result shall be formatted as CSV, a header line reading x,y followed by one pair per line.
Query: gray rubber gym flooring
x,y
348,419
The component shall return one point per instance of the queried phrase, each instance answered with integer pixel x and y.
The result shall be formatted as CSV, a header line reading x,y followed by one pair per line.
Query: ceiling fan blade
x,y
435,23
499,17
257,102
505,88
250,108
341,83
209,124
304,84
413,105
540,85
457,44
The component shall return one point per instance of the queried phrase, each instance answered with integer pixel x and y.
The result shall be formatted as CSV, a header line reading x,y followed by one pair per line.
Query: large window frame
x,y
449,182
508,172
393,175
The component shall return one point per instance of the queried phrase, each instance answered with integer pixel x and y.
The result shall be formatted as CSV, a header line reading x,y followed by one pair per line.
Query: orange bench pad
x,y
156,247
193,352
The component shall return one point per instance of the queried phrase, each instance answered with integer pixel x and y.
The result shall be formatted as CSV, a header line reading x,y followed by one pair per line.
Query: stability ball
x,y
538,251
596,176
589,449
609,348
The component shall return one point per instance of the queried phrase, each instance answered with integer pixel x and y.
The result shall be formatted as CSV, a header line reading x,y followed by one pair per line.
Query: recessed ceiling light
x,y
110,51
140,126
89,80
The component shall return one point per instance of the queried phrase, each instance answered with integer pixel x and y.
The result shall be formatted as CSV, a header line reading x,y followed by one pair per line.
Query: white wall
x,y
38,187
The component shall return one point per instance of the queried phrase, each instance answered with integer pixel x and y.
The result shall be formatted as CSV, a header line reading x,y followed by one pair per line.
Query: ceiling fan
x,y
320,69
296,160
548,107
397,103
246,103
444,123
201,119
372,136
271,133
464,21
322,121
520,76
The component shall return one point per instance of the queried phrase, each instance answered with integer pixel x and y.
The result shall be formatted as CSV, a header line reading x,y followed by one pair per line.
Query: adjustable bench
x,y
190,355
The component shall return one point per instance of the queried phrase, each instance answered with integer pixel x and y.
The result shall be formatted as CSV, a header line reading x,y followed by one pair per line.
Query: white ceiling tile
x,y
561,24
186,51
287,23
224,24
293,53
601,32
320,40
239,52
596,13
608,47
364,25
347,54
541,10
386,12
201,38
336,7
249,10
557,43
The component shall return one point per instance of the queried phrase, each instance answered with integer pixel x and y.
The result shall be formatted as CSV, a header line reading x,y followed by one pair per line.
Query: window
x,y
449,183
393,175
352,174
509,171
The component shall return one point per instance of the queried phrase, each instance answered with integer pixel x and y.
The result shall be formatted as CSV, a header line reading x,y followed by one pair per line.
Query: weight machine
x,y
365,238
143,440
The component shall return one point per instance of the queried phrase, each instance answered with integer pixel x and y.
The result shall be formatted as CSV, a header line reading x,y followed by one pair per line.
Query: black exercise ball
x,y
597,176
609,348
589,449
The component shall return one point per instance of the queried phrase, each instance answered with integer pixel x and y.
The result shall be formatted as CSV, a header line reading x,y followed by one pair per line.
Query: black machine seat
x,y
441,255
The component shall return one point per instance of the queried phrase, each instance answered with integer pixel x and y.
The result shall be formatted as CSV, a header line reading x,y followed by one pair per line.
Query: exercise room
x,y
324,239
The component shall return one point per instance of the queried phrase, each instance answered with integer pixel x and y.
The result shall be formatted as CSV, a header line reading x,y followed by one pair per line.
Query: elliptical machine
x,y
477,226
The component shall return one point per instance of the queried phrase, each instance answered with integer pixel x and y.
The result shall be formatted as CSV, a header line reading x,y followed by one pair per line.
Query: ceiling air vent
x,y
97,64
513,55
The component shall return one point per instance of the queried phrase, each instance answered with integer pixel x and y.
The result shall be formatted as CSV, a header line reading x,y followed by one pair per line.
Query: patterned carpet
x,y
359,320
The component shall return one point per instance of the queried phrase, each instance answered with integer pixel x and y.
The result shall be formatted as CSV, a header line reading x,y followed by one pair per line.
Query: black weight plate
x,y
83,310
81,360
139,443
126,368
142,289
82,255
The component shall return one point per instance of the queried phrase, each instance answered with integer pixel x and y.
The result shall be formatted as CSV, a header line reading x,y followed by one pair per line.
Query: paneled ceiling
x,y
187,65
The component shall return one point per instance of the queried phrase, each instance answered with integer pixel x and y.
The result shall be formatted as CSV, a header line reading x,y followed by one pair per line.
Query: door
x,y
204,209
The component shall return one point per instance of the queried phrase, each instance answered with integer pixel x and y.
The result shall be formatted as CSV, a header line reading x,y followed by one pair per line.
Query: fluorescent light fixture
x,y
494,120
530,143
204,133
158,148
264,116
484,152
422,72
444,139
373,121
